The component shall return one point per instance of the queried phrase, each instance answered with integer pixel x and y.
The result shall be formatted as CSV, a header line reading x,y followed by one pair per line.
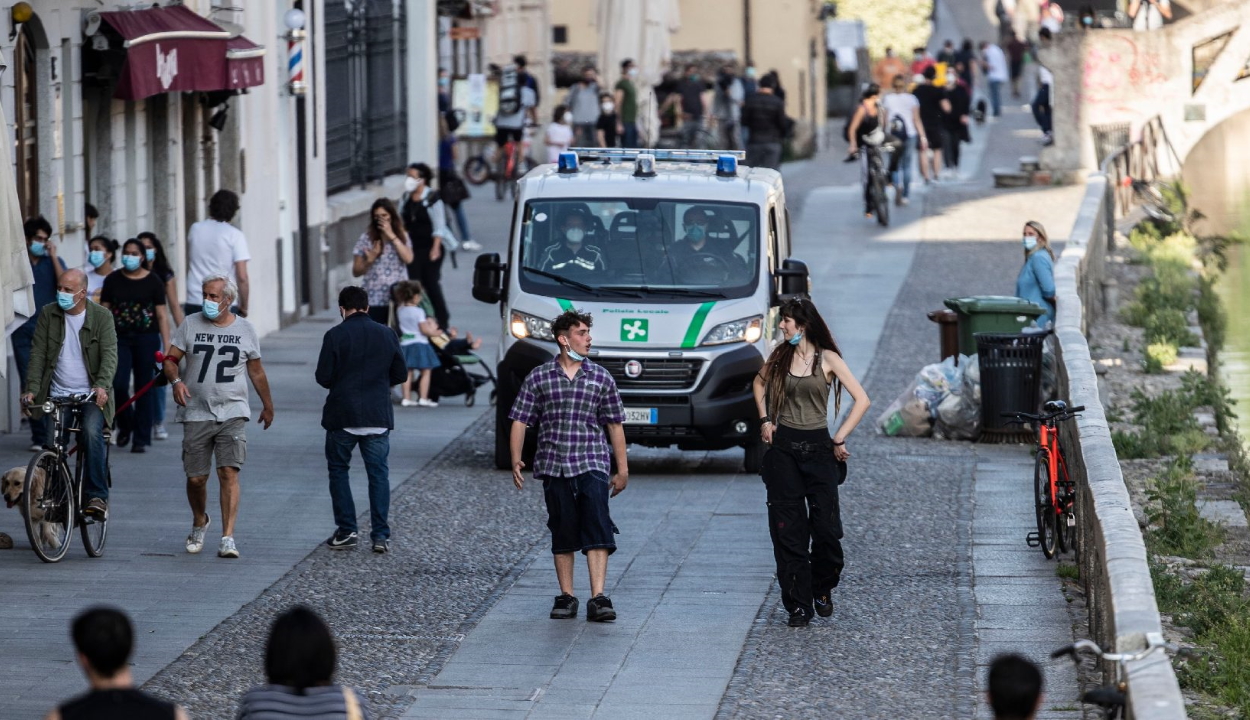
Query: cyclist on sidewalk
x,y
572,400
212,398
75,351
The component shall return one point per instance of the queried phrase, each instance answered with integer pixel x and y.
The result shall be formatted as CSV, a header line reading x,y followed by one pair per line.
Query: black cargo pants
x,y
802,477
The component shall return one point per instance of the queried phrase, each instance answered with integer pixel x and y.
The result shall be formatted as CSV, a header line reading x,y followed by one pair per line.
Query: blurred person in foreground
x,y
1015,688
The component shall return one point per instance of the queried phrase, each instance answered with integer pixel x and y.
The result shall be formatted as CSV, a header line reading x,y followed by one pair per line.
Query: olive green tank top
x,y
806,404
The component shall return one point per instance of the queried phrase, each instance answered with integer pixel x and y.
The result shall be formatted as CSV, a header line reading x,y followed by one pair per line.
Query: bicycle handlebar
x,y
1089,646
1064,414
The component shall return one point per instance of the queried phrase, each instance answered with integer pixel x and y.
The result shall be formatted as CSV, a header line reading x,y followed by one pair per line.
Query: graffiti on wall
x,y
1115,68
1204,55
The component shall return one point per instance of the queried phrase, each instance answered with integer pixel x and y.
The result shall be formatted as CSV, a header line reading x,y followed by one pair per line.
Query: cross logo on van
x,y
633,330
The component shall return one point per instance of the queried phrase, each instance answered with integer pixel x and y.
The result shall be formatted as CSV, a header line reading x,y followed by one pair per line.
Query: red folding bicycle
x,y
1054,492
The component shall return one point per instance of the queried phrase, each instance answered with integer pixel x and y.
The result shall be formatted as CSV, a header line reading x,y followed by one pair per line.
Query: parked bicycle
x,y
1112,698
52,500
1054,492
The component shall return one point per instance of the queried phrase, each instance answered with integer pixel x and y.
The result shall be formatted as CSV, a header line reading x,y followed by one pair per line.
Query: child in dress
x,y
415,344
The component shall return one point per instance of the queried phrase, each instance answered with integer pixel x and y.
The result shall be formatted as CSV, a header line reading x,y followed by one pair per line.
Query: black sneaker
x,y
824,605
599,609
800,618
342,541
381,547
565,607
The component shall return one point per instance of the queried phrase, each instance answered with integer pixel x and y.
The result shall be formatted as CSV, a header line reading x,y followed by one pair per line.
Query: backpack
x,y
509,92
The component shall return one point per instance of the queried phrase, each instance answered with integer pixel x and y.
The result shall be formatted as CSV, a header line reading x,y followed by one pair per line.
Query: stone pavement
x,y
453,622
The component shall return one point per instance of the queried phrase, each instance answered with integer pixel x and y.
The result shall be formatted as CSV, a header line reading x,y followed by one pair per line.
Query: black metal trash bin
x,y
1011,376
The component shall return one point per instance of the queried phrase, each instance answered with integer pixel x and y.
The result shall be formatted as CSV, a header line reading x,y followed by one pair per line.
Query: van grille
x,y
657,373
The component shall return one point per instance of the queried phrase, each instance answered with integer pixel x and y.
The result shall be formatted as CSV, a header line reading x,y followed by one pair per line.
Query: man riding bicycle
x,y
515,100
75,351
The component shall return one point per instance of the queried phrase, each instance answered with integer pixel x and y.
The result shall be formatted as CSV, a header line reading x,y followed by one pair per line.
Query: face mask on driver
x,y
575,235
696,232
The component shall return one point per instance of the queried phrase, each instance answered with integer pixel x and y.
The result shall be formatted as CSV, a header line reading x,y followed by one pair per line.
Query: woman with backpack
x,y
451,186
425,220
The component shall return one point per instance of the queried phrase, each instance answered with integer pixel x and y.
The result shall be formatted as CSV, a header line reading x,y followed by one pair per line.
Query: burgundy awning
x,y
171,49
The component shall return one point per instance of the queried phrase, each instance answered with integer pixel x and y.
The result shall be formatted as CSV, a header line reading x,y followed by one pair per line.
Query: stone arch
x,y
1217,173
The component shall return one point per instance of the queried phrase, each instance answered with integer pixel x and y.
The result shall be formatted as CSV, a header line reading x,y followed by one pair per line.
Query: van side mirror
x,y
488,278
792,280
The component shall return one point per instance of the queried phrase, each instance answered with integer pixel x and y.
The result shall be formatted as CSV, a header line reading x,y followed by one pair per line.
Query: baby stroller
x,y
454,377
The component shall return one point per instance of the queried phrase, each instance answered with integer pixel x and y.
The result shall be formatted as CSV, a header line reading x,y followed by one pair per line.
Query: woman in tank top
x,y
805,464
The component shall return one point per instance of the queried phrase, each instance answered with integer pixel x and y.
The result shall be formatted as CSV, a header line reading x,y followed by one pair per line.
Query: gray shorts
x,y
201,439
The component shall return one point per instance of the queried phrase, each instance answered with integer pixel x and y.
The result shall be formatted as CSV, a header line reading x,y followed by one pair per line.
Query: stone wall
x,y
1104,77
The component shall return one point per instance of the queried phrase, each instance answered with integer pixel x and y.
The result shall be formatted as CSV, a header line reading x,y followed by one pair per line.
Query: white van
x,y
683,260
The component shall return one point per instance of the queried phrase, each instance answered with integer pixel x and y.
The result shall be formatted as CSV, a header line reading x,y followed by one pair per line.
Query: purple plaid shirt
x,y
571,415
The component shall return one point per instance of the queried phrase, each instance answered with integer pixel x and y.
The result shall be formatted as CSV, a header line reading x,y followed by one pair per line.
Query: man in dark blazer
x,y
360,361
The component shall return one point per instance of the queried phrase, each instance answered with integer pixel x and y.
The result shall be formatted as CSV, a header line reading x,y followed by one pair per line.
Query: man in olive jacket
x,y
75,351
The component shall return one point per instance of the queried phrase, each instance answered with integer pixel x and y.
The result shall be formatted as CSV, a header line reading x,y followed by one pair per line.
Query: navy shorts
x,y
577,513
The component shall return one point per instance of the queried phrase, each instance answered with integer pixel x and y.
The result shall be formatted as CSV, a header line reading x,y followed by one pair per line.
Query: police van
x,y
683,259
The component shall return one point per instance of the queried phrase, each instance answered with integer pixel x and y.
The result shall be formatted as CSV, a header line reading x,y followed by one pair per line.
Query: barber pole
x,y
295,62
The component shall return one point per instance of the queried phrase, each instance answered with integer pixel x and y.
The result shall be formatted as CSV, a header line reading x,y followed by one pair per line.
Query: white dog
x,y
12,483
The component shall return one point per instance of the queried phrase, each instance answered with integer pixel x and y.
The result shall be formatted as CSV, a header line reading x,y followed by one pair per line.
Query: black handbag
x,y
453,190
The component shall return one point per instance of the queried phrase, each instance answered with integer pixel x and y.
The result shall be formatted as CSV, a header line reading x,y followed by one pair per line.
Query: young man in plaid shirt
x,y
573,400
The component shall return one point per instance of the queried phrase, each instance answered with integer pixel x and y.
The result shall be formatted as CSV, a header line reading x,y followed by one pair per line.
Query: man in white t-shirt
x,y
215,247
997,74
1149,14
904,107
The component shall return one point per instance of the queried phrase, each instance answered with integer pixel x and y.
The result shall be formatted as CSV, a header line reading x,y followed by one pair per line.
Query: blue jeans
x,y
1041,108
95,452
996,97
462,223
374,450
23,340
160,394
629,134
902,176
136,357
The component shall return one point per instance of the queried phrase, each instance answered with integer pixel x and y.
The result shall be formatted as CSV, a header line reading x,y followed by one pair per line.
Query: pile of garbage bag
x,y
943,401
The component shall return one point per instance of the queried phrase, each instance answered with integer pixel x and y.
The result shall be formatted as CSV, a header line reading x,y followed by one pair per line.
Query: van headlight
x,y
524,326
745,330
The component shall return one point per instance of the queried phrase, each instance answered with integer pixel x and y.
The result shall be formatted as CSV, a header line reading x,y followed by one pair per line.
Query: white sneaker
x,y
409,403
427,403
227,549
35,447
159,432
471,245
195,541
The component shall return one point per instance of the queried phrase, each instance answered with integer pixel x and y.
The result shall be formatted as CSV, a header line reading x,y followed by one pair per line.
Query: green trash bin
x,y
991,314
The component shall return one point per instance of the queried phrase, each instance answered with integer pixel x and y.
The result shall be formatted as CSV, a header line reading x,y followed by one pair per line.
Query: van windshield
x,y
645,248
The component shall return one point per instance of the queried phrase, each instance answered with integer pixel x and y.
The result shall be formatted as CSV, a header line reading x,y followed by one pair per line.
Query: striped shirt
x,y
571,415
276,702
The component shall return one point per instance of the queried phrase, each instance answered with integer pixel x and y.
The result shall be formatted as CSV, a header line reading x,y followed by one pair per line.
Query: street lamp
x,y
294,20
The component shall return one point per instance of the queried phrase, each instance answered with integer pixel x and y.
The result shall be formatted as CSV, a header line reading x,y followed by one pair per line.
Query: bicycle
x,y
878,179
1112,698
52,509
514,163
1054,492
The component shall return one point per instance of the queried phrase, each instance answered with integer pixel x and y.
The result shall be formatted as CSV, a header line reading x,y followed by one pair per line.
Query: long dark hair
x,y
160,265
397,223
804,314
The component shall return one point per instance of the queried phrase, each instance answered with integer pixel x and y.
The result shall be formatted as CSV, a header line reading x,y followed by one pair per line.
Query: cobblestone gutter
x,y
1111,552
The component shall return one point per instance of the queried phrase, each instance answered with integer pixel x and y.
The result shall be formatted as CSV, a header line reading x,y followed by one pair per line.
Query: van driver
x,y
572,255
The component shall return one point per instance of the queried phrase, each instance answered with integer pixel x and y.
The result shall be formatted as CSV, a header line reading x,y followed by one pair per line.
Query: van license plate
x,y
641,416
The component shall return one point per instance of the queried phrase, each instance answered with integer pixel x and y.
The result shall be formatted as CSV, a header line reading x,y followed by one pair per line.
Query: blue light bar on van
x,y
727,166
567,162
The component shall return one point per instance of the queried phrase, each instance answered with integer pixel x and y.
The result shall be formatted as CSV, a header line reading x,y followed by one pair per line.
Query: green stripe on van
x,y
565,305
696,325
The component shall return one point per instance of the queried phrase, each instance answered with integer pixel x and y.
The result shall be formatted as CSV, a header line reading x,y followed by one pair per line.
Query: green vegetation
x,y
1168,425
1068,571
900,24
1176,527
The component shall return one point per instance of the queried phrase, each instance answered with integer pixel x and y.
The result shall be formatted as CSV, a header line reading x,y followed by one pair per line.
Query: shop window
x,y
559,34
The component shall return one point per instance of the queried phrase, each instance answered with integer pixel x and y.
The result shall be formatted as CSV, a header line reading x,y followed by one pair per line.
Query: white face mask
x,y
633,72
608,107
1030,242
575,235
566,118
410,184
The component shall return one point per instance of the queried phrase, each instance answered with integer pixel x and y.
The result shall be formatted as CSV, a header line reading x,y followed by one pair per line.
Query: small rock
x,y
6,542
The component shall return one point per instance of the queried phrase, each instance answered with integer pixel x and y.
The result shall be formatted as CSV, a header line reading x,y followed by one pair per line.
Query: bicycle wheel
x,y
881,201
1067,503
95,530
1045,509
476,170
48,506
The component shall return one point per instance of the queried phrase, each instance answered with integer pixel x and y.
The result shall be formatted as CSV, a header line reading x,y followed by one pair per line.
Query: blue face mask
x,y
796,338
1030,242
575,356
696,232
96,258
131,262
38,249
211,309
64,299
150,254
